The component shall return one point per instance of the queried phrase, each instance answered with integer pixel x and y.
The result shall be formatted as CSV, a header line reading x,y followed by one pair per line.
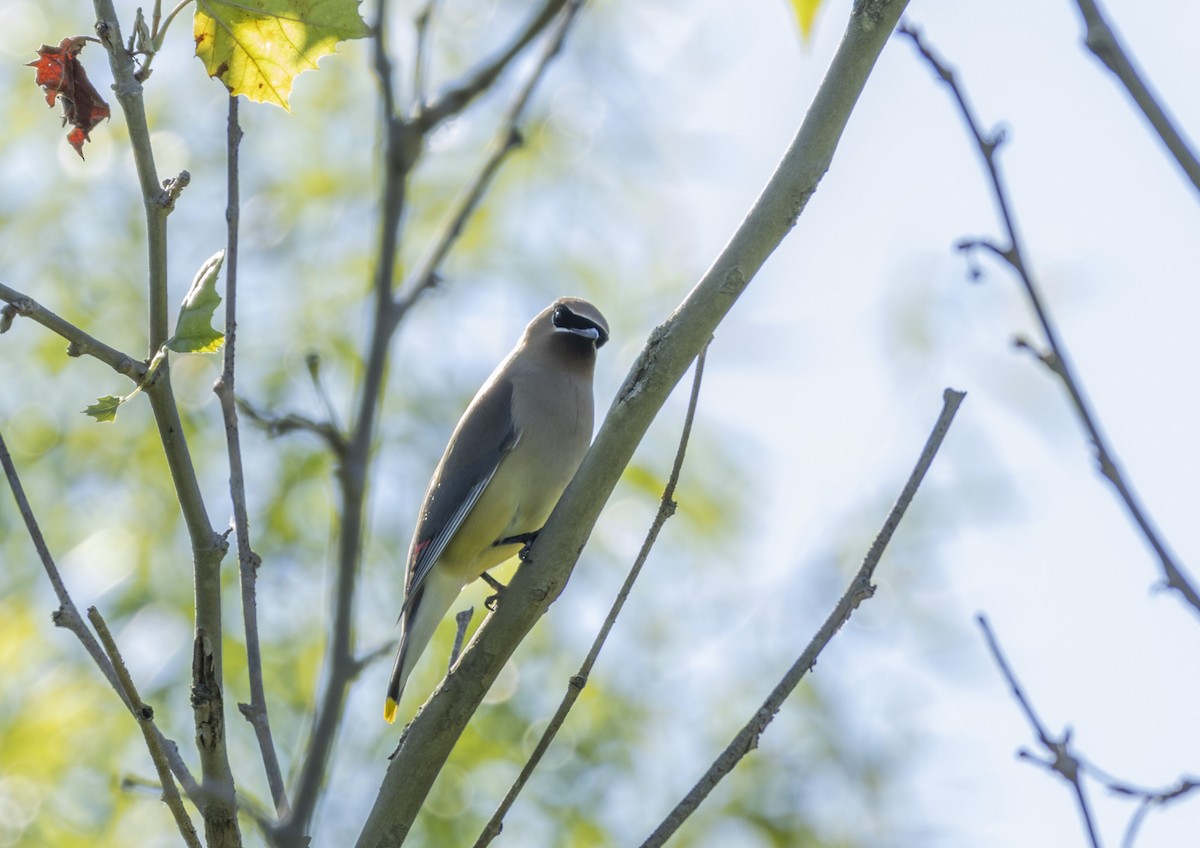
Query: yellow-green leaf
x,y
806,15
257,47
105,408
194,332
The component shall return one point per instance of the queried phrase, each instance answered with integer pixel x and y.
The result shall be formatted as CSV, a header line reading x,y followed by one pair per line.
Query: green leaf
x,y
257,47
194,332
105,408
806,15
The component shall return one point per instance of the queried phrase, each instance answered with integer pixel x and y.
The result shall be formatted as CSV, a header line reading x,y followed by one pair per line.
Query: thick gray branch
x,y
666,356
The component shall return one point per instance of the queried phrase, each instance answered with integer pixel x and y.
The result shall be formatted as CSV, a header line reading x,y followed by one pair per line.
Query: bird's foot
x,y
526,541
491,600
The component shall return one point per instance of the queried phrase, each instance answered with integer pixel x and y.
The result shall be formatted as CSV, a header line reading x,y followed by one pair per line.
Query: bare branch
x,y
462,620
1063,760
459,96
145,719
424,23
219,805
507,139
291,422
1014,254
81,344
859,590
67,616
666,509
248,561
1104,44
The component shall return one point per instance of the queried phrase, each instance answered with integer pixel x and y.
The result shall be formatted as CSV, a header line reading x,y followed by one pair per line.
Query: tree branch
x,y
460,95
255,712
1104,44
666,509
145,719
670,349
81,344
67,616
403,142
859,590
1014,255
1063,760
507,139
218,799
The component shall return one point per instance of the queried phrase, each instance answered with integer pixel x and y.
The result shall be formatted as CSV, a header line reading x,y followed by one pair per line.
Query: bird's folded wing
x,y
485,435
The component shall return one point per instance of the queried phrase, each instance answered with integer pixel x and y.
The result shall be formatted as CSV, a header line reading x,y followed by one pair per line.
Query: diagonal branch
x,y
145,719
248,561
1014,255
67,616
460,95
1063,760
666,509
1104,44
861,588
668,353
218,802
507,139
81,344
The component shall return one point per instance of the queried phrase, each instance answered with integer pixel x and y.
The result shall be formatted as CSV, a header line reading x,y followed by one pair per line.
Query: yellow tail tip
x,y
389,710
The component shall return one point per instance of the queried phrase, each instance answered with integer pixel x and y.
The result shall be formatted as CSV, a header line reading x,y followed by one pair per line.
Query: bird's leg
x,y
490,600
526,541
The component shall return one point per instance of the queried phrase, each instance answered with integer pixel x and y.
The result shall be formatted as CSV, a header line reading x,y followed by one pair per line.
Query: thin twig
x,y
457,97
666,509
1063,761
462,621
255,712
424,23
1014,255
1104,44
312,361
291,422
859,590
145,719
81,344
401,147
67,616
507,139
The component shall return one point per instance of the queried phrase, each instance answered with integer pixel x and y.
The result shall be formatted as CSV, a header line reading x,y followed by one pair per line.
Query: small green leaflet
x,y
105,409
258,47
194,332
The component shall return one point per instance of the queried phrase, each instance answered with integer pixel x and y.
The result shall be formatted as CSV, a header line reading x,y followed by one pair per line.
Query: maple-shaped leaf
x,y
61,75
105,408
257,47
194,332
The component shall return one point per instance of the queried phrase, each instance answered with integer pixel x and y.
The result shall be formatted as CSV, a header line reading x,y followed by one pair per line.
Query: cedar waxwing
x,y
513,452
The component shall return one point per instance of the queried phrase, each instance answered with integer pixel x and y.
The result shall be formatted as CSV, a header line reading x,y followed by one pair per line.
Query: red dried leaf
x,y
61,75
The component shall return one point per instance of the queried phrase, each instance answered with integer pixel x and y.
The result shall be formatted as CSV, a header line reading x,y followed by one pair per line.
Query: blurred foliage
x,y
575,211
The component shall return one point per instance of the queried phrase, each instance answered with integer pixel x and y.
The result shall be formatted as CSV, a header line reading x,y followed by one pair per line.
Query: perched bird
x,y
510,457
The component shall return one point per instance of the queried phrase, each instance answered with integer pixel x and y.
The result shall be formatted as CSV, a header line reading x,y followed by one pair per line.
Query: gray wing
x,y
484,436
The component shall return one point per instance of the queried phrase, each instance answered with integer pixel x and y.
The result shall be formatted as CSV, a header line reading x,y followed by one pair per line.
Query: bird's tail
x,y
418,623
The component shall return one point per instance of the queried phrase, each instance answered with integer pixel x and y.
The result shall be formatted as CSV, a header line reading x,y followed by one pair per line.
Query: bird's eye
x,y
561,315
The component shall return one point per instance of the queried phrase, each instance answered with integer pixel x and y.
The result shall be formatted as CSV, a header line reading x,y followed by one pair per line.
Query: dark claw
x,y
526,540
